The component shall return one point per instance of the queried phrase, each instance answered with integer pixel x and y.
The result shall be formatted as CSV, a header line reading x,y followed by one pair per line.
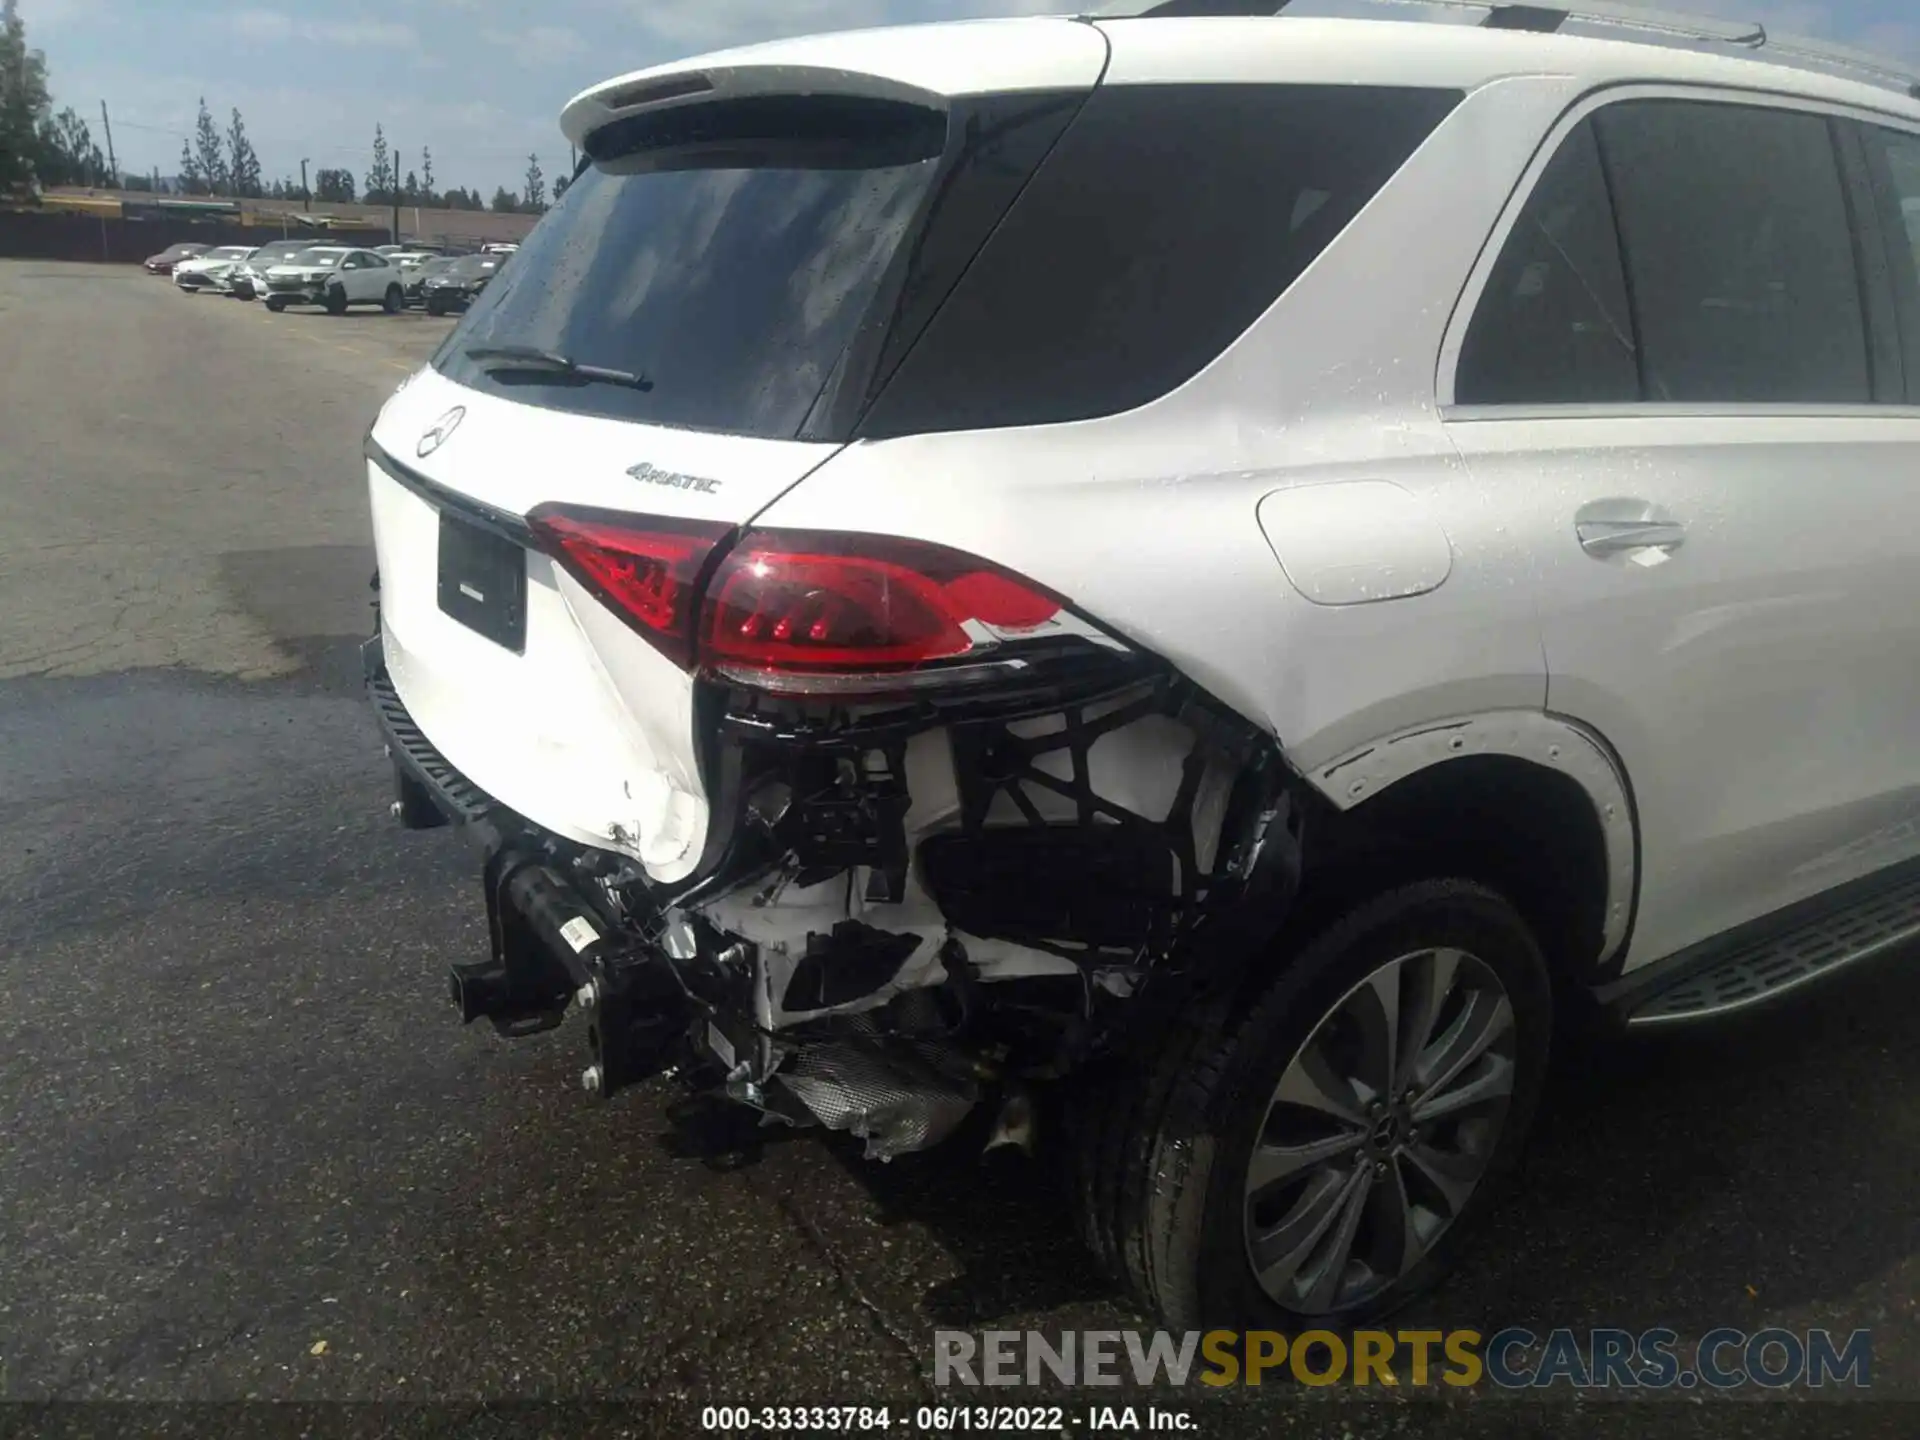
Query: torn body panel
x,y
909,907
975,894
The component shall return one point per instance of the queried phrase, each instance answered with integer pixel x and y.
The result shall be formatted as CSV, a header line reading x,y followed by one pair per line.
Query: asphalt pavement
x,y
247,1153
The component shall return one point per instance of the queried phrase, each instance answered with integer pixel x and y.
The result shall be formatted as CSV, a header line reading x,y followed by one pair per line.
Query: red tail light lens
x,y
788,609
801,602
645,568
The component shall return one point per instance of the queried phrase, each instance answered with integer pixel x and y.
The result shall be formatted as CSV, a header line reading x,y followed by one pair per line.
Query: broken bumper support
x,y
550,948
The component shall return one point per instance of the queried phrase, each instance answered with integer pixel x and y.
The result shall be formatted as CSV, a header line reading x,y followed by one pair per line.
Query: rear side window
x,y
1163,223
1739,253
1678,252
1553,326
1893,157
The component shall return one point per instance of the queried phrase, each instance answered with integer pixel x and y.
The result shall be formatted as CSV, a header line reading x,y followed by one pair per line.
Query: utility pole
x,y
393,184
306,195
113,165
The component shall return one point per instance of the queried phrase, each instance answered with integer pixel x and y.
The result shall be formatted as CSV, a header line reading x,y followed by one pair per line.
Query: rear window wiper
x,y
531,357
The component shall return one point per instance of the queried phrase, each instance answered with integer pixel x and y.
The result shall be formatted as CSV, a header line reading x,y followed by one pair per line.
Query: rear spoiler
x,y
925,65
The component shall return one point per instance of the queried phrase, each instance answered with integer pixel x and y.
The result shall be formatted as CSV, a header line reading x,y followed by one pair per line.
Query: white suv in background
x,y
1224,570
335,277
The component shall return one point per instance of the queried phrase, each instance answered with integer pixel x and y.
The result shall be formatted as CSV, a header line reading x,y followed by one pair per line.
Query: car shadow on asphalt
x,y
315,603
1733,1175
1004,1220
1699,1178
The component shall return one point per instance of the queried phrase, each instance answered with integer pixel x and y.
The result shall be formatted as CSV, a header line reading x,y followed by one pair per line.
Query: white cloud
x,y
1897,37
53,14
713,24
1814,20
276,27
542,44
697,25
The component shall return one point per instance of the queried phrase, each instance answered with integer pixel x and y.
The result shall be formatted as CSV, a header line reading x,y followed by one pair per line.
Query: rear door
x,y
368,279
1685,343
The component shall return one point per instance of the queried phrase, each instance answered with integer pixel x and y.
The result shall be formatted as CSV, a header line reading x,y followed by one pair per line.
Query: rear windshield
x,y
823,267
728,256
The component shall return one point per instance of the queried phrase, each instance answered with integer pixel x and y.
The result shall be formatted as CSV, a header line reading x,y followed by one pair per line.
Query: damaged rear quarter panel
x,y
1079,836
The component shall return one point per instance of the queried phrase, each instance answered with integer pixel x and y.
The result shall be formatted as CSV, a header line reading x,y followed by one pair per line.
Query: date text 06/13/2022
x,y
946,1419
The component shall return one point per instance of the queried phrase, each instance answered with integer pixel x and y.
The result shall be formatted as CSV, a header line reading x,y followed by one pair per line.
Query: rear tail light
x,y
808,611
811,604
644,568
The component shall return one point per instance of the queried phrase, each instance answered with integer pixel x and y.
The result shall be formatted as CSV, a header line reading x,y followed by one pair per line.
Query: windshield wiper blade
x,y
532,357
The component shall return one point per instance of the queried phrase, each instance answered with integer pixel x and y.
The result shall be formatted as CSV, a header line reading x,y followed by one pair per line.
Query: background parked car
x,y
163,263
413,279
213,270
335,276
249,280
454,287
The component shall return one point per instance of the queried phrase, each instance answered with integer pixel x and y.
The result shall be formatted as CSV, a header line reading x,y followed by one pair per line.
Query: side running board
x,y
1776,954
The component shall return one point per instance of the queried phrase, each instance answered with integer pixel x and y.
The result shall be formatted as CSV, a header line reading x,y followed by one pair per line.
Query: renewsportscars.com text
x,y
1512,1359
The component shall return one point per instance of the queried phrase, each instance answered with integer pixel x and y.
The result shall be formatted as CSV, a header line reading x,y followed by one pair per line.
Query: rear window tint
x,y
1163,223
730,256
1739,253
1553,325
1894,158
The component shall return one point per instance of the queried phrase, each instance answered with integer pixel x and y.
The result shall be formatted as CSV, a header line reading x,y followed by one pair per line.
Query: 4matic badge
x,y
654,475
441,429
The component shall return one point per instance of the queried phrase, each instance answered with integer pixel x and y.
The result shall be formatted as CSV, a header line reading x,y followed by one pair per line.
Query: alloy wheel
x,y
1382,1125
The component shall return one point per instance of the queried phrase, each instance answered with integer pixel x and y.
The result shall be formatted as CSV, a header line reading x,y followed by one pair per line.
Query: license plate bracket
x,y
483,581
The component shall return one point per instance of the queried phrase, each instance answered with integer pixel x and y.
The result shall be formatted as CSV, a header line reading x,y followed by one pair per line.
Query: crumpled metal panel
x,y
894,1104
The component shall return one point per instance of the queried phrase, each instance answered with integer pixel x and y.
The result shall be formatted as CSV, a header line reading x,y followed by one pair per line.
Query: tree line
x,y
383,184
221,162
38,146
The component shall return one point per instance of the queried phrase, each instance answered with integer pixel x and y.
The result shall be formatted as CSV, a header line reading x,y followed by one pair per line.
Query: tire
x,y
395,300
276,306
1164,1159
336,300
434,307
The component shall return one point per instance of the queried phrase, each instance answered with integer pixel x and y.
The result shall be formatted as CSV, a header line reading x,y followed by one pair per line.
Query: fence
x,y
51,235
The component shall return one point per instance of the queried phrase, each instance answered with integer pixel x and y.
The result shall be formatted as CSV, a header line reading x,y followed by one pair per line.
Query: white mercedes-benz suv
x,y
1188,584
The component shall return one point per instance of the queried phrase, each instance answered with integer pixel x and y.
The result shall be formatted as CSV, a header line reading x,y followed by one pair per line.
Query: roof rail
x,y
1548,16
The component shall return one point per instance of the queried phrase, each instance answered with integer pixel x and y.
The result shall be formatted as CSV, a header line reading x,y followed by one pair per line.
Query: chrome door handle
x,y
1611,537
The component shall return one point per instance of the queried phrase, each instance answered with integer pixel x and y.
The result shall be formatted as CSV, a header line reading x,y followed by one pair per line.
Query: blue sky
x,y
482,81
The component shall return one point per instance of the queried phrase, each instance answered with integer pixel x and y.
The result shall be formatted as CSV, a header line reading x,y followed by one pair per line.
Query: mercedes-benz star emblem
x,y
442,428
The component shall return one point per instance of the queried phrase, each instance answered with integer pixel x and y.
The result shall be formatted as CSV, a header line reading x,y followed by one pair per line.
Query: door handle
x,y
1611,537
1621,524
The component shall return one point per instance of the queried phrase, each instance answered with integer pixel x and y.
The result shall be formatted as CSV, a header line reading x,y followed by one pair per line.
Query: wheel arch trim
x,y
1553,742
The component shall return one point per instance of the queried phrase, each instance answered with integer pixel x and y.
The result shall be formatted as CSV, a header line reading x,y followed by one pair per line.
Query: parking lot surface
x,y
250,1154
